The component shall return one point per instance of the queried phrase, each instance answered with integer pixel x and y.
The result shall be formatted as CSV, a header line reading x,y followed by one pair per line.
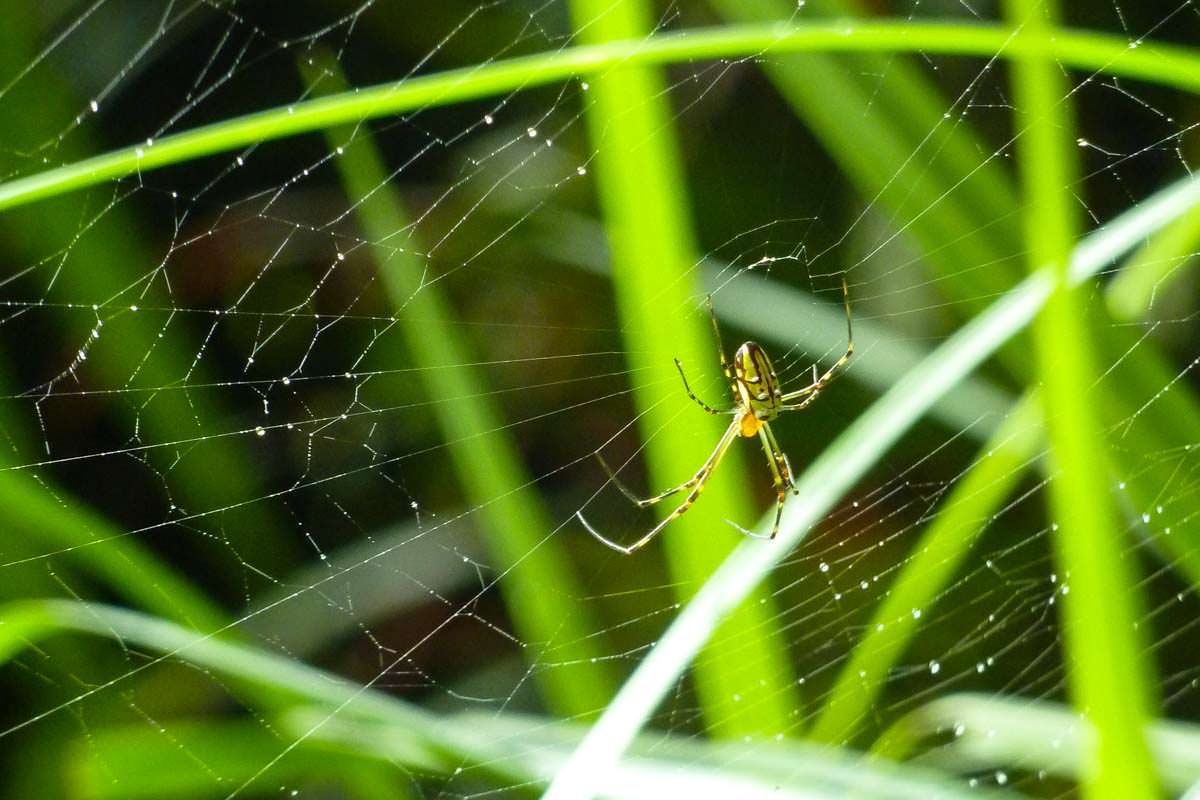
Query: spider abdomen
x,y
757,385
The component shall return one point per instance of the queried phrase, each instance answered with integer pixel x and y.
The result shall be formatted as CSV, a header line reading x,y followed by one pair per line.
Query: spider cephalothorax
x,y
757,399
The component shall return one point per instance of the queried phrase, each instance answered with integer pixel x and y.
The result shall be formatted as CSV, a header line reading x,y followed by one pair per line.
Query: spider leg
x,y
696,484
640,502
781,472
810,392
712,314
691,394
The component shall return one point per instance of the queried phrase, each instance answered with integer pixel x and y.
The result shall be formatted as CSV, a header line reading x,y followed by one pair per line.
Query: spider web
x,y
227,402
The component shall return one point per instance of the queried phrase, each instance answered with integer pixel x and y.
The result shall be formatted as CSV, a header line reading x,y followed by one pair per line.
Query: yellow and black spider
x,y
757,399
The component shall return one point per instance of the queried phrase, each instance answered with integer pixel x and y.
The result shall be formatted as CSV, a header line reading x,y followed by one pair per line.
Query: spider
x,y
757,399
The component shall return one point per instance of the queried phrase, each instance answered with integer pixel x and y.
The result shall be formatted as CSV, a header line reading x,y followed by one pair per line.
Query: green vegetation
x,y
367,577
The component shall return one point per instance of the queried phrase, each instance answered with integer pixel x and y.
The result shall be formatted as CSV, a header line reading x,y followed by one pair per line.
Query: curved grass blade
x,y
1153,268
1166,64
1031,735
330,710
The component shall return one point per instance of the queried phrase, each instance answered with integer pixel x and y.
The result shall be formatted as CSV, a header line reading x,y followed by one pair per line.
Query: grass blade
x,y
1166,64
97,548
534,562
1153,268
1109,682
1032,735
744,680
136,763
937,556
334,712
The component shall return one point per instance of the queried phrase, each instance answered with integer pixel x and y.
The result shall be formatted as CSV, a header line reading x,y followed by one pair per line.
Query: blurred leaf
x,y
113,557
1017,733
1111,681
368,724
207,759
1154,267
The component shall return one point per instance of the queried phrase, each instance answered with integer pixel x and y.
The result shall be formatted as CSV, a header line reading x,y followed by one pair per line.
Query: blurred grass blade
x,y
376,582
111,557
133,762
143,351
1152,269
969,509
266,678
1170,65
196,759
1030,735
539,583
678,765
1107,669
744,679
836,470
376,725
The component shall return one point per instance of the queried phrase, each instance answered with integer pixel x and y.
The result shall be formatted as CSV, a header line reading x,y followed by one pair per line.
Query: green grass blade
x,y
98,252
110,556
334,712
1153,268
1032,735
937,555
1160,63
197,759
664,765
1110,683
539,584
266,676
744,680
836,470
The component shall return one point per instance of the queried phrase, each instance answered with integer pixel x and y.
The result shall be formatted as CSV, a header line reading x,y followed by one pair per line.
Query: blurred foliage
x,y
299,406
